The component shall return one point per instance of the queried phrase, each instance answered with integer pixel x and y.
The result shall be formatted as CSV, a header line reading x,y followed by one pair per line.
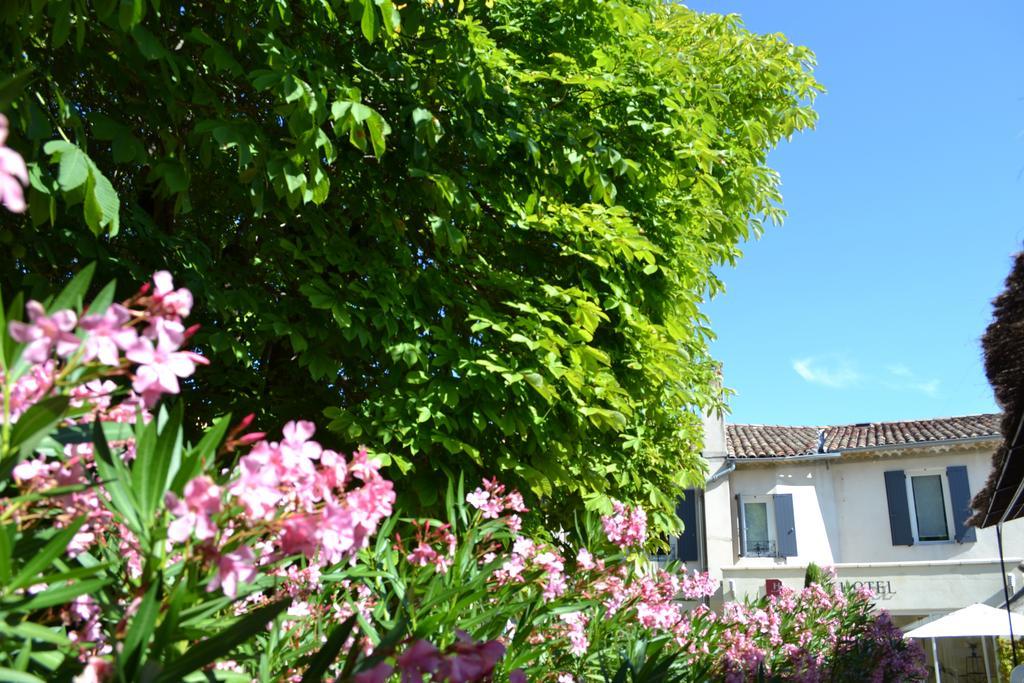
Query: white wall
x,y
842,519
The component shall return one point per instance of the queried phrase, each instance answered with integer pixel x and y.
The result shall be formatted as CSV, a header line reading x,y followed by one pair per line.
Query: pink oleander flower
x,y
159,369
516,676
96,670
626,527
44,332
202,499
107,335
28,389
468,661
584,560
418,659
13,173
492,501
378,674
232,569
576,631
176,303
82,617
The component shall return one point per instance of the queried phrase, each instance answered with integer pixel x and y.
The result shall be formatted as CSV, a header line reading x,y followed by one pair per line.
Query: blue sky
x,y
905,206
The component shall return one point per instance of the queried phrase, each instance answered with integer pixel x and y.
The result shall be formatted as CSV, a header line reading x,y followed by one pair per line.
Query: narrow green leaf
x,y
220,645
200,454
102,301
116,480
6,548
323,659
32,631
36,423
12,676
60,595
41,560
156,462
141,628
74,292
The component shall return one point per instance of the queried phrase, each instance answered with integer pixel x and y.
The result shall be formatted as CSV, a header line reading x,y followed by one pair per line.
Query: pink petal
x,y
65,320
12,164
38,351
140,352
11,194
163,281
299,430
35,310
180,364
22,332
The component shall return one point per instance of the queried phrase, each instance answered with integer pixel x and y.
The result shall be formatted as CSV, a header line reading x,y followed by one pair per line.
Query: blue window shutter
x,y
899,509
688,543
743,527
960,497
785,525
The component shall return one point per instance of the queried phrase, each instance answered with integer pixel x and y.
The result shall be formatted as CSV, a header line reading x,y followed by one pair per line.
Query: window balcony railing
x,y
761,549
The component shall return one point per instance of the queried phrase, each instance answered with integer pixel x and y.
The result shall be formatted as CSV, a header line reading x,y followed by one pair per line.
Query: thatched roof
x,y
1003,345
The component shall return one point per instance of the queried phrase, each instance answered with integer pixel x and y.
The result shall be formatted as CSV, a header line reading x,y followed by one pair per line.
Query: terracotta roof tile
x,y
771,441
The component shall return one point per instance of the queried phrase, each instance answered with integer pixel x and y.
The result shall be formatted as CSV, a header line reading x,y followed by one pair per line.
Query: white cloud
x,y
902,378
899,370
837,371
832,371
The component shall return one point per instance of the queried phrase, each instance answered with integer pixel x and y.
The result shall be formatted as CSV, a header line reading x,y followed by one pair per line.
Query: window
x,y
927,492
758,531
929,505
767,526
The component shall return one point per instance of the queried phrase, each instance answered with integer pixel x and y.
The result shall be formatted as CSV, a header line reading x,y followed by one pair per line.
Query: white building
x,y
883,503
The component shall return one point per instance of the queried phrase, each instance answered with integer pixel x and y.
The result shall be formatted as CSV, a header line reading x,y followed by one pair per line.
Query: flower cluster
x,y
147,329
492,501
465,661
626,527
301,498
430,537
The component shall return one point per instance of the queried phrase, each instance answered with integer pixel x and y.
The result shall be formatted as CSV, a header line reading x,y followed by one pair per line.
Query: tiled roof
x,y
770,441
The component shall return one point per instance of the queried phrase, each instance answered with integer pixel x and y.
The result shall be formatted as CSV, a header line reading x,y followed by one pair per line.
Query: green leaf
x,y
102,199
141,628
6,549
157,461
220,645
73,293
116,479
101,302
202,453
63,593
12,87
379,129
369,21
12,676
73,164
323,659
130,13
37,422
53,549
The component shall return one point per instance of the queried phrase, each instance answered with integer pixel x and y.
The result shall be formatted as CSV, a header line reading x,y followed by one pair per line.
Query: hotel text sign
x,y
883,588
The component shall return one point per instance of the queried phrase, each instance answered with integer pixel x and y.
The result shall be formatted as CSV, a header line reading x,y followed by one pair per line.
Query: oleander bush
x,y
131,553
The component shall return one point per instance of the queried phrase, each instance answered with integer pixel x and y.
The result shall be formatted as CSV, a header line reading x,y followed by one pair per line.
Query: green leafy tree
x,y
474,235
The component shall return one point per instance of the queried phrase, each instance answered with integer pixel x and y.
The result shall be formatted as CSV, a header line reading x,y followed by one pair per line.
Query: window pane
x,y
756,517
930,507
